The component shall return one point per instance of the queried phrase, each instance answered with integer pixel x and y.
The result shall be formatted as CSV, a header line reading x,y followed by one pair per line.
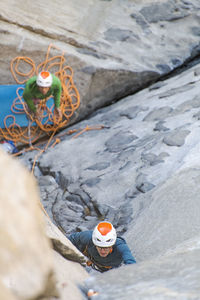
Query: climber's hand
x,y
84,261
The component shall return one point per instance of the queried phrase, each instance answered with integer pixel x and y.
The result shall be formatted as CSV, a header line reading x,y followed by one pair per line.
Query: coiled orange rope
x,y
70,99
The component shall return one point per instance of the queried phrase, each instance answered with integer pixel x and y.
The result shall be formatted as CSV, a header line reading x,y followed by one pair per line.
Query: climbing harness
x,y
96,266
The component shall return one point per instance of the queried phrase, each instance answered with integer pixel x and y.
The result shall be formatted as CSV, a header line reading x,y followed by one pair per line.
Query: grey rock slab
x,y
157,85
80,163
119,141
176,138
99,166
159,114
171,276
176,91
117,34
114,47
167,11
155,206
151,158
187,105
197,115
160,127
169,226
171,216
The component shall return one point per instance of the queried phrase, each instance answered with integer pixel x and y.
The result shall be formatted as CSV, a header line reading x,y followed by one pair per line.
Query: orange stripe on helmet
x,y
45,74
104,227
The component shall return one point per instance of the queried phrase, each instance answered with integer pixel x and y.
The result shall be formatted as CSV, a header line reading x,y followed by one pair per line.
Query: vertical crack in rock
x,y
72,208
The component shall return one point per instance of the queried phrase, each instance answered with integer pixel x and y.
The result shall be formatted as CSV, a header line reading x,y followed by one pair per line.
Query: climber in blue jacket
x,y
102,247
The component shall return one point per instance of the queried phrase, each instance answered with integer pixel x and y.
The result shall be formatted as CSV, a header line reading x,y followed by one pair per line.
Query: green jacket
x,y
31,92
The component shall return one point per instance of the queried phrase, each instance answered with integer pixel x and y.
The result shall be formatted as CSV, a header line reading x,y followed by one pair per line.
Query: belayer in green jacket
x,y
40,87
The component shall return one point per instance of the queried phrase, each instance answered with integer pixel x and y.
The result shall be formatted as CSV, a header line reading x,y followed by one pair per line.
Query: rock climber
x,y
40,87
102,247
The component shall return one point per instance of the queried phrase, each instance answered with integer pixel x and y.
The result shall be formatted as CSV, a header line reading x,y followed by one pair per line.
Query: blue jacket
x,y
120,253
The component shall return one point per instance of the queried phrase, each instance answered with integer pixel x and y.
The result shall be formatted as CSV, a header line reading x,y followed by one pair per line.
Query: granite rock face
x,y
23,239
114,47
29,267
136,163
138,167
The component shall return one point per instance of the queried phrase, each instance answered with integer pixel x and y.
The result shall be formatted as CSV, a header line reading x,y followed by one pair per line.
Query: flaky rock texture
x,y
136,162
28,267
24,268
141,172
114,47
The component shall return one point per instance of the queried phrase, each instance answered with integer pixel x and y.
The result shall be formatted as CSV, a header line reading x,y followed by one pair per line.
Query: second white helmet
x,y
104,235
44,79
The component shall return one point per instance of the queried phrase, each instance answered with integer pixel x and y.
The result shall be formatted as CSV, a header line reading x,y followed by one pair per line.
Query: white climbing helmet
x,y
44,79
104,235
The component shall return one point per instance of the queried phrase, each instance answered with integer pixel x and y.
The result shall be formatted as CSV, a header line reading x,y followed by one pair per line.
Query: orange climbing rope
x,y
46,123
70,99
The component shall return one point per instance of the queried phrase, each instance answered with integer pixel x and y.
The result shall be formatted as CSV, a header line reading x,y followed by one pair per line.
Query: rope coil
x,y
69,102
46,123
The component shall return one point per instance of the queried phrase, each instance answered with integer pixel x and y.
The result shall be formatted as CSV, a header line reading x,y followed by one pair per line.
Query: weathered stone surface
x,y
167,11
61,244
173,275
171,218
166,238
29,268
5,293
114,47
128,153
24,269
158,114
69,276
176,138
148,189
141,171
